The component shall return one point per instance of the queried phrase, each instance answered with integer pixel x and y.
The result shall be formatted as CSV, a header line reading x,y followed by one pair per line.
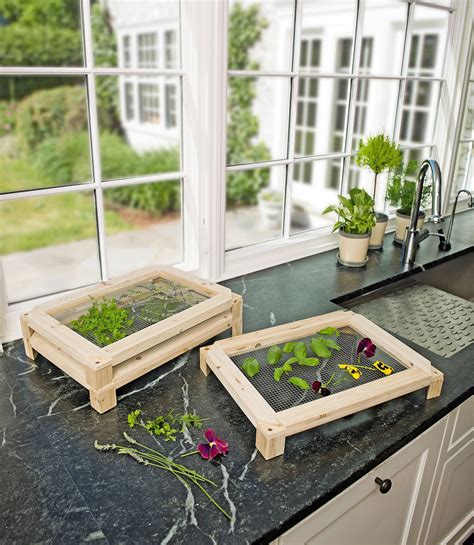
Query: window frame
x,y
201,100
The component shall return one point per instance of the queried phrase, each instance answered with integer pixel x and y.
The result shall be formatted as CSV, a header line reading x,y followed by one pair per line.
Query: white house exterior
x,y
146,37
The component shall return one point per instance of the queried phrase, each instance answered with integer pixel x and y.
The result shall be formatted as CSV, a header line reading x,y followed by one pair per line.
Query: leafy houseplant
x,y
401,193
356,219
379,154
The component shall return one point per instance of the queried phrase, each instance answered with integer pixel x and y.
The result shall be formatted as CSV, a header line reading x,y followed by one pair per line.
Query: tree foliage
x,y
245,30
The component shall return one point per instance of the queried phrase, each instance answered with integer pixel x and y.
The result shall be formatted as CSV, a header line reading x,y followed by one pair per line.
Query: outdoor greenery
x,y
401,188
355,213
378,153
245,30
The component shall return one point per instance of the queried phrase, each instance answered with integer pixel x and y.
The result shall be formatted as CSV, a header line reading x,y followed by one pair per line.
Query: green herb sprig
x,y
153,458
105,321
168,425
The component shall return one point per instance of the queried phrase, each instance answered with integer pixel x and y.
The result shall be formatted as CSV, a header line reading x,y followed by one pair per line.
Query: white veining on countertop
x,y
273,320
182,360
12,403
246,466
225,489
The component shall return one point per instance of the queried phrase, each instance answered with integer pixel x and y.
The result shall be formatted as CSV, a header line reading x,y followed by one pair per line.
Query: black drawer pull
x,y
384,484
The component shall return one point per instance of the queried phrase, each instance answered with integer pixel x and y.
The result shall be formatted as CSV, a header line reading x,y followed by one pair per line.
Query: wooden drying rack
x,y
103,370
274,426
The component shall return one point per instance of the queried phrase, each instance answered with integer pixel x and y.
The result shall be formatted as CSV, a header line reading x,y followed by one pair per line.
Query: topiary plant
x,y
401,188
378,153
356,212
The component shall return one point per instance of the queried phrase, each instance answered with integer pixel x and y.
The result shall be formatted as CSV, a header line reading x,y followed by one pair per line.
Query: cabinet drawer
x,y
363,515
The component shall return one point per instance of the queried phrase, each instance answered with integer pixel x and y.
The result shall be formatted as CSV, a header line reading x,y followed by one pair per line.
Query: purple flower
x,y
367,347
213,447
316,386
325,392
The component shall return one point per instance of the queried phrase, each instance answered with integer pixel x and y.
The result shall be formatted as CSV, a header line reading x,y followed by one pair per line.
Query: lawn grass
x,y
37,222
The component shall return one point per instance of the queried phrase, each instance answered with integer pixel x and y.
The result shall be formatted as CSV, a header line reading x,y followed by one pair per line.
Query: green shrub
x,y
49,113
7,117
66,160
401,188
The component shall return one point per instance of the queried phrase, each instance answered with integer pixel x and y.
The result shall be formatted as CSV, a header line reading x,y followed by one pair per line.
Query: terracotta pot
x,y
402,222
353,248
378,232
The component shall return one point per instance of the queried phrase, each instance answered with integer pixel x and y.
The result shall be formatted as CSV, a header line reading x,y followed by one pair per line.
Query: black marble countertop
x,y
56,488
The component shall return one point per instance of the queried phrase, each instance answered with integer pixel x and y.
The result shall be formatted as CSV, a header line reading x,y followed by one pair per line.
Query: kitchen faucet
x,y
446,244
414,236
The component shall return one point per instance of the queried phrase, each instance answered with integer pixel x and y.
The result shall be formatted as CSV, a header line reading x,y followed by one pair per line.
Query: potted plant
x,y
401,192
379,154
356,219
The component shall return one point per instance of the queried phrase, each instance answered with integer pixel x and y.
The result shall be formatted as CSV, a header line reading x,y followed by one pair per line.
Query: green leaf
x,y
274,355
331,344
300,350
251,366
300,382
329,331
309,362
133,418
289,347
277,373
291,361
319,348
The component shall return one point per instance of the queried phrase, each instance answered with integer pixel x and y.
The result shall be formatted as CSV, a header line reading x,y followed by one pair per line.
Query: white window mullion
x,y
94,138
353,85
294,83
204,29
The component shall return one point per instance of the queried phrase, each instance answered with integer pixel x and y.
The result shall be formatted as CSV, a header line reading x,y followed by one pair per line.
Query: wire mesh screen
x,y
284,395
147,303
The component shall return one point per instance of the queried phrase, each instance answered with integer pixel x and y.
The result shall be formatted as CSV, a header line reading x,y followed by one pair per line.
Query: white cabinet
x,y
429,501
451,507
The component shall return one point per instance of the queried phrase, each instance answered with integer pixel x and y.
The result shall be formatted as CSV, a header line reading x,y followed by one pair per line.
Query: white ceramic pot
x,y
402,222
378,232
353,248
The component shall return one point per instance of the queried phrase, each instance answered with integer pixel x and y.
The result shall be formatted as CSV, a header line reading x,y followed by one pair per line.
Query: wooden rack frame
x,y
273,427
103,370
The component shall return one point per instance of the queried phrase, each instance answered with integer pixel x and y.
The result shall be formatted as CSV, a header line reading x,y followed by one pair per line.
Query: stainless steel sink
x,y
434,309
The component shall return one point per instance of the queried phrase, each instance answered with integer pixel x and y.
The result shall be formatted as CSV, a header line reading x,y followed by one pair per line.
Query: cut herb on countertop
x,y
105,322
151,457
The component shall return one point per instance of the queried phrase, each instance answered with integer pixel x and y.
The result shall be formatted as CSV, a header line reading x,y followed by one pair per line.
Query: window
x,y
170,105
126,52
147,50
129,101
102,187
87,190
149,102
170,49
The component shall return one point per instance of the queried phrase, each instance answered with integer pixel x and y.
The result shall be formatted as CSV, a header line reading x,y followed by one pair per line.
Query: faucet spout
x,y
412,238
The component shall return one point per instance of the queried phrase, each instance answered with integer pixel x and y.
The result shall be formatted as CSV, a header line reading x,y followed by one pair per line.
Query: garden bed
x,y
286,379
114,332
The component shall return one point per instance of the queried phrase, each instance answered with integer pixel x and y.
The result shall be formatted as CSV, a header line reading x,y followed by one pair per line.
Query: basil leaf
x,y
300,350
309,362
251,367
291,360
278,373
289,347
319,348
274,354
301,383
331,344
329,331
287,367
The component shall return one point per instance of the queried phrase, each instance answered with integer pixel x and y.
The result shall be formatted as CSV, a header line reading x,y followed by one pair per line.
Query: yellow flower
x,y
383,367
354,371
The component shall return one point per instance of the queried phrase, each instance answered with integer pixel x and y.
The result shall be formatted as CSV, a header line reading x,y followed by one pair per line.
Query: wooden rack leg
x,y
26,331
270,439
202,360
237,305
434,389
103,396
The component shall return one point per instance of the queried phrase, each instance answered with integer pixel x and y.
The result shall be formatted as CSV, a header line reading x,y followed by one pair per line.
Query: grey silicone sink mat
x,y
431,318
284,395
